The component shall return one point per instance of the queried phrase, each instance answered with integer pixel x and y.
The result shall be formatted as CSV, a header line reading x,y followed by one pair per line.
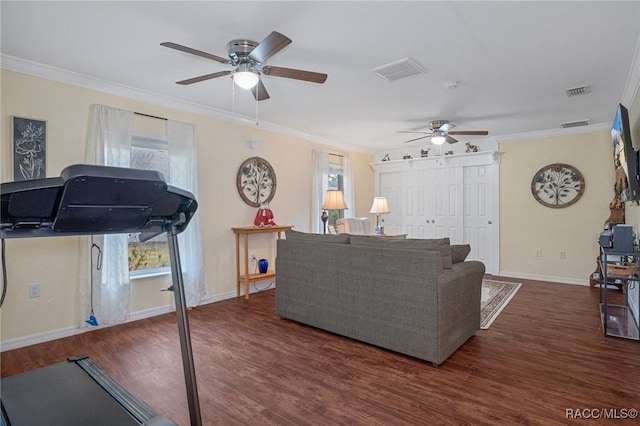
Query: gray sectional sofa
x,y
414,296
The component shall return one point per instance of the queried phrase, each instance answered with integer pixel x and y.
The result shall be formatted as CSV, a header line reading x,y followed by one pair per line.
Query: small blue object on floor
x,y
92,321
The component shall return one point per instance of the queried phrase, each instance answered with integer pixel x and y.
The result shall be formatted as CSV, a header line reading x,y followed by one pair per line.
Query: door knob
x,y
490,222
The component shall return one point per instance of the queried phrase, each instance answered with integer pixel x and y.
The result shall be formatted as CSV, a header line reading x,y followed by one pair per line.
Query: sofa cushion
x,y
316,238
459,252
441,244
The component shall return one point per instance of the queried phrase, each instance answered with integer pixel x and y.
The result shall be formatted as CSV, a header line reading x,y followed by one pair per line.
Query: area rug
x,y
495,296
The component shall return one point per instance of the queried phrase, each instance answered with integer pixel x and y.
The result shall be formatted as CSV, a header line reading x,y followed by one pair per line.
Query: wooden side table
x,y
243,275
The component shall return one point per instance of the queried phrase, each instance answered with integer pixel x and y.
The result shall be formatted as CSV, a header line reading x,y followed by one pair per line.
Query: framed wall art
x,y
29,148
256,181
557,185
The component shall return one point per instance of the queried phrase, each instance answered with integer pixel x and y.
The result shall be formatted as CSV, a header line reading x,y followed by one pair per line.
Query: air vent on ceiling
x,y
399,69
575,123
578,91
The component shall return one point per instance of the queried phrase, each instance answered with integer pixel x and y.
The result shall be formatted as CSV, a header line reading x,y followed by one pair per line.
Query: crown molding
x,y
553,133
12,63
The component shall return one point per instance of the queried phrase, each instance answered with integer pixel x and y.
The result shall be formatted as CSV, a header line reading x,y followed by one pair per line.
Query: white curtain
x,y
347,182
184,175
320,186
108,143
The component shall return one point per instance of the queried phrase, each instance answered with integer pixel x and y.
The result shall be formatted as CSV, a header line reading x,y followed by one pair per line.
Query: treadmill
x,y
87,200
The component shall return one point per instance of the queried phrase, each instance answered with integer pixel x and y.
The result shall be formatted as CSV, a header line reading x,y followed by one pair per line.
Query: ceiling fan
x,y
440,132
249,61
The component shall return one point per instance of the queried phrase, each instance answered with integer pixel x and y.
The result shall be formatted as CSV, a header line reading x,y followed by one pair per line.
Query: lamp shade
x,y
334,200
380,205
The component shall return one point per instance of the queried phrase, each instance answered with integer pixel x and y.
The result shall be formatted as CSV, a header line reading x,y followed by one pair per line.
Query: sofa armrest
x,y
459,295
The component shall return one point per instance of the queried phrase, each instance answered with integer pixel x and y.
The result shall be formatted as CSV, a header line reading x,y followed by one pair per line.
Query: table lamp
x,y
379,206
333,200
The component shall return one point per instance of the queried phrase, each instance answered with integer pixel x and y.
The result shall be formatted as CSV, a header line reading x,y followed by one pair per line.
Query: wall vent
x,y
578,91
399,69
578,123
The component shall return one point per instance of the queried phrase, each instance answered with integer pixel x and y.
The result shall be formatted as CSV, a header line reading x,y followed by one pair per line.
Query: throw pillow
x,y
459,252
441,244
316,238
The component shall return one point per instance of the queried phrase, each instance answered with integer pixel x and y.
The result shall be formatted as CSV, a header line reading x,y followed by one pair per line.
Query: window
x,y
336,181
150,257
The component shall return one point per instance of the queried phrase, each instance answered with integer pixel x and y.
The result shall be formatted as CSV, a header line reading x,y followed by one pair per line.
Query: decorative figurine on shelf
x,y
470,148
407,157
424,152
448,153
264,217
386,157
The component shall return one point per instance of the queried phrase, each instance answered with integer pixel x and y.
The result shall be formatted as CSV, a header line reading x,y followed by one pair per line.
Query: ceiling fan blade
x,y
260,92
268,47
313,77
417,139
449,139
470,132
203,77
411,131
195,52
446,127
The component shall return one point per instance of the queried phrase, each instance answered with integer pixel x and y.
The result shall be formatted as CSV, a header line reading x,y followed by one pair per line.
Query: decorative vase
x,y
263,266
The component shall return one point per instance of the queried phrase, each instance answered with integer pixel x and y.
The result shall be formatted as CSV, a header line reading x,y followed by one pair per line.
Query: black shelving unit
x,y
620,320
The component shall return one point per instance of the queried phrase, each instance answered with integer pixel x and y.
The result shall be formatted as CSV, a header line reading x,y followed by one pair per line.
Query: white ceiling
x,y
512,60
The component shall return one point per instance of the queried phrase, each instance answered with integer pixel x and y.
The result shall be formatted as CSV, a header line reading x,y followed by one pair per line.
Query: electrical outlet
x,y
563,254
34,290
539,252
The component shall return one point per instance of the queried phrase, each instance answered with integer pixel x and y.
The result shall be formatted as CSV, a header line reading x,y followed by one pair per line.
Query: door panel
x,y
478,215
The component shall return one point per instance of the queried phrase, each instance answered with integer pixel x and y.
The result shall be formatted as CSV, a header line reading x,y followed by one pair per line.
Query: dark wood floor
x,y
544,355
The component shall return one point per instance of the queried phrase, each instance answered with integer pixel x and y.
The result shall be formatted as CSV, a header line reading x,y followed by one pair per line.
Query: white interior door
x,y
418,206
448,199
480,224
391,187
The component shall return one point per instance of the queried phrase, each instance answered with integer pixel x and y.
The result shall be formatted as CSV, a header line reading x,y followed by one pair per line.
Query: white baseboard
x,y
40,337
134,316
562,280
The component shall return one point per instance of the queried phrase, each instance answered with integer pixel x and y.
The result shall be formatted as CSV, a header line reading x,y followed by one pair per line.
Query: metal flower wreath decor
x,y
256,181
557,185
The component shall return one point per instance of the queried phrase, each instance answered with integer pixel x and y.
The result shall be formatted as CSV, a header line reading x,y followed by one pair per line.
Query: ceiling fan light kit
x,y
245,77
438,139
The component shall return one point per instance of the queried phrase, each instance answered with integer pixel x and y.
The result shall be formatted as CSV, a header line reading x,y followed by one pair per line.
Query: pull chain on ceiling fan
x,y
249,61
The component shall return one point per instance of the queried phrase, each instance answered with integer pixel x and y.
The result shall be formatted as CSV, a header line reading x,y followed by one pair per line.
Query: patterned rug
x,y
495,296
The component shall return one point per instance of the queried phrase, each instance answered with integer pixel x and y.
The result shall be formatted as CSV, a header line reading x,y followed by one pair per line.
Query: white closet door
x,y
480,225
448,199
455,196
417,204
391,187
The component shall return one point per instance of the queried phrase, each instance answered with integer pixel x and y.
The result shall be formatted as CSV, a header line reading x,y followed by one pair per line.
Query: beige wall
x,y
527,226
222,147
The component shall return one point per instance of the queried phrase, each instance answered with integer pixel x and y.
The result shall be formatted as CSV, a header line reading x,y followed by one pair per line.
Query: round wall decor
x,y
557,185
256,181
